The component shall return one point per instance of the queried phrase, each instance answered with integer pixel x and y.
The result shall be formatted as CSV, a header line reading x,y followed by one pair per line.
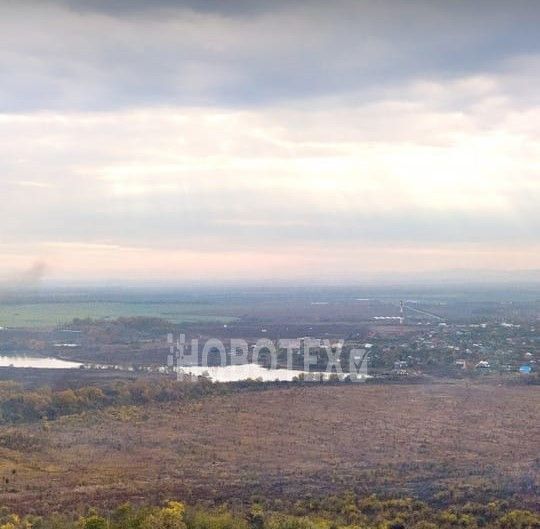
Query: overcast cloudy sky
x,y
213,139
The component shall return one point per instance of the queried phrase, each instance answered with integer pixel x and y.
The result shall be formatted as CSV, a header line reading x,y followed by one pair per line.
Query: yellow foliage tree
x,y
169,517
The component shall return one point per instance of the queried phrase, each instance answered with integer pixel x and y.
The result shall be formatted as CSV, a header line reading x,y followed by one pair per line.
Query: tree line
x,y
20,405
347,512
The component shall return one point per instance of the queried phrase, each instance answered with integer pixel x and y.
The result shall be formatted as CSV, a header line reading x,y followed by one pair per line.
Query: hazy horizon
x,y
490,280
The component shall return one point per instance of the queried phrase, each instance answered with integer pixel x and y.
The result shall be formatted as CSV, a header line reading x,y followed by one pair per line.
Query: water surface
x,y
33,361
234,373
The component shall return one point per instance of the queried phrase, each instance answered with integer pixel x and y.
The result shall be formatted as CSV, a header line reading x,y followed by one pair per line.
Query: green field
x,y
40,315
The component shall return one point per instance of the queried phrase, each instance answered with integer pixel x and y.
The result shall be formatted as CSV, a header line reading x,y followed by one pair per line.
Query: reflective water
x,y
230,373
234,373
31,361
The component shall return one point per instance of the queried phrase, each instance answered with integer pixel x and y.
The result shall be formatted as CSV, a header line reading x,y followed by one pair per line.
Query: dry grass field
x,y
441,442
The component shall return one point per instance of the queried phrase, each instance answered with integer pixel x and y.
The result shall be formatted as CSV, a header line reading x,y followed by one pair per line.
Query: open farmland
x,y
441,442
43,315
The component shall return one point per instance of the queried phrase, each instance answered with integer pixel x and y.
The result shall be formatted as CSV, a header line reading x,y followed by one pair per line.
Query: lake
x,y
234,373
32,361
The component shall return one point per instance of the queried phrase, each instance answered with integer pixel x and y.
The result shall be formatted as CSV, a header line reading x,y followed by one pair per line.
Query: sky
x,y
268,141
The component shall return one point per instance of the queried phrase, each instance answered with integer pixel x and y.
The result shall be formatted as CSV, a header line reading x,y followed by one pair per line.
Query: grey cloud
x,y
158,7
103,55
